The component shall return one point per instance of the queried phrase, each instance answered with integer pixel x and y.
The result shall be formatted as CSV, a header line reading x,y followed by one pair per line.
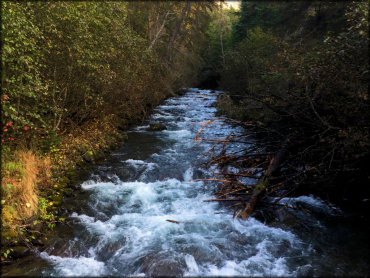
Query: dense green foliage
x,y
300,70
68,63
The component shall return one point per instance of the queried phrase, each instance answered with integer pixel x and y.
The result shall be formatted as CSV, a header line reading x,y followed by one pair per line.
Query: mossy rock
x,y
83,148
80,162
69,192
57,200
88,156
71,173
123,136
182,91
37,226
99,154
19,252
121,128
156,127
64,181
37,242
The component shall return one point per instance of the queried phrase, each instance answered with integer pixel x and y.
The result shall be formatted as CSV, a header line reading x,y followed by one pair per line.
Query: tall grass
x,y
20,182
27,191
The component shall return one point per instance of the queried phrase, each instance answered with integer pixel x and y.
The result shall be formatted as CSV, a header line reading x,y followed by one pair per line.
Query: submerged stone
x,y
19,252
156,127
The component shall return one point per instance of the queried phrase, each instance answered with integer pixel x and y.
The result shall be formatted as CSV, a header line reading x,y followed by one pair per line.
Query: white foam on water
x,y
178,134
161,116
315,202
91,184
83,217
174,107
263,262
137,231
140,163
191,264
97,227
144,232
80,266
141,128
255,266
188,175
135,162
144,193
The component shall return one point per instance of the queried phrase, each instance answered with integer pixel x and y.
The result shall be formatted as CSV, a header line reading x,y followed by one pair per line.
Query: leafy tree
x,y
309,85
22,83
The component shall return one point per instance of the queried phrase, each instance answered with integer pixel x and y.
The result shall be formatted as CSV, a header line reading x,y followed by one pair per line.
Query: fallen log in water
x,y
222,200
263,184
252,162
173,221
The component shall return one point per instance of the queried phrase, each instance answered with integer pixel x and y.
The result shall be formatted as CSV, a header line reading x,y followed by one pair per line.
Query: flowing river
x,y
118,221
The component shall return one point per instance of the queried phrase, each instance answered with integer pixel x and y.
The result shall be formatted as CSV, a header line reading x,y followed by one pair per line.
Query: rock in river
x,y
156,127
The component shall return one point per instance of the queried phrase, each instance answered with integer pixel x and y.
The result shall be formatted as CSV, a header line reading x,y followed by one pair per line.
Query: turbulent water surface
x,y
119,222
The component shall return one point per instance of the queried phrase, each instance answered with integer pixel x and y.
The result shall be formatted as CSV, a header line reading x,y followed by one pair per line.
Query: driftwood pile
x,y
246,173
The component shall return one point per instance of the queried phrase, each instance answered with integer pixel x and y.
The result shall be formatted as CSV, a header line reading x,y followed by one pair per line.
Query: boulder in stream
x,y
156,127
88,156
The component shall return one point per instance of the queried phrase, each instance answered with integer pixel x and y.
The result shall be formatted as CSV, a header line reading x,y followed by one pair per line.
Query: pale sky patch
x,y
234,4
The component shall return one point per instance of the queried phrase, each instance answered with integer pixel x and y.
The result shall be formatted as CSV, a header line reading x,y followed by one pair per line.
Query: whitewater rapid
x,y
119,221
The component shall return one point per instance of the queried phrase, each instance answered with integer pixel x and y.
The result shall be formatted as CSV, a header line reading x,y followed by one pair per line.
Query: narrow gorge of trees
x,y
76,75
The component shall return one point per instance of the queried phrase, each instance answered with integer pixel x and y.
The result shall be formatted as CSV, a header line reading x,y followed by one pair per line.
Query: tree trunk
x,y
263,184
159,32
175,32
222,49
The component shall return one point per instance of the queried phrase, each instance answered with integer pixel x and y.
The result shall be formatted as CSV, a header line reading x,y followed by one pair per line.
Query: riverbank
x,y
32,199
29,215
345,188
